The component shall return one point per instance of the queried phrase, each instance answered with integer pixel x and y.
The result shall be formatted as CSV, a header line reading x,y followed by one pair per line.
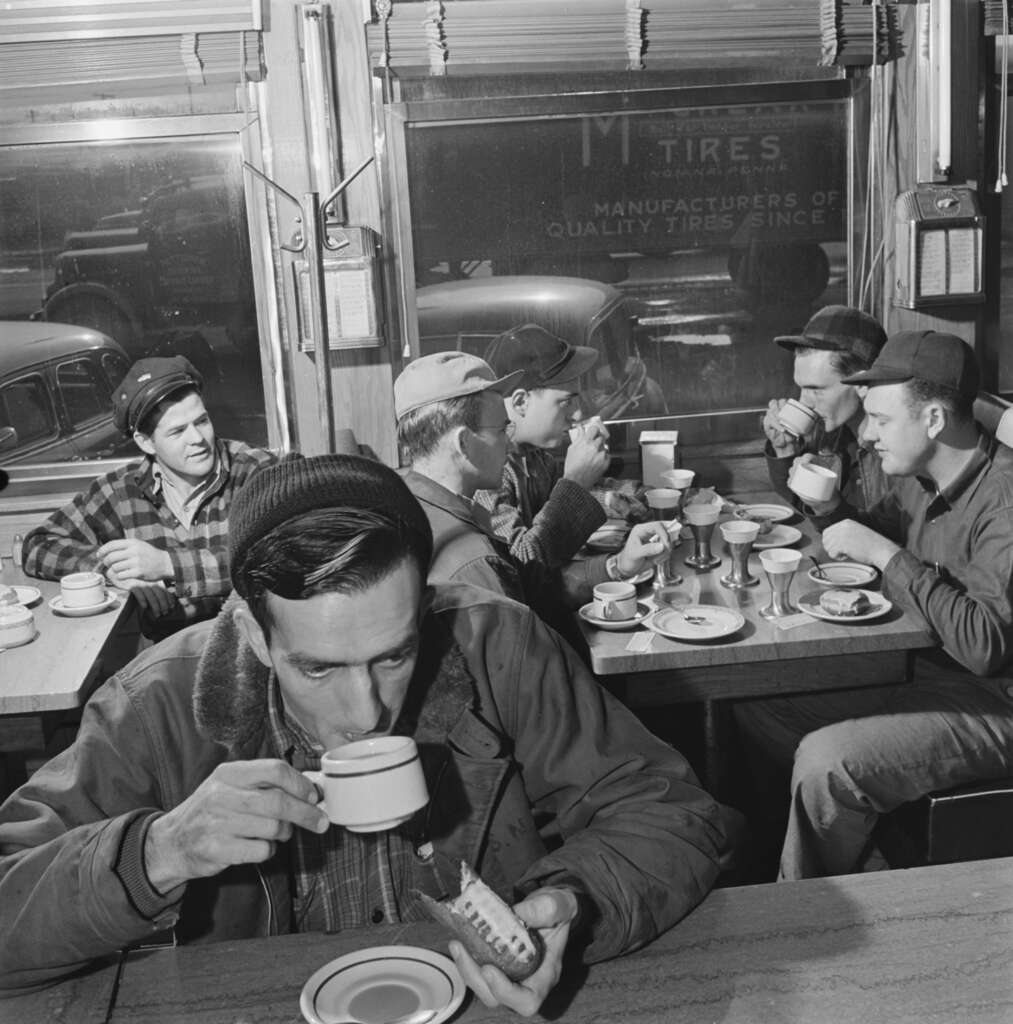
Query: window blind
x,y
85,69
631,34
42,20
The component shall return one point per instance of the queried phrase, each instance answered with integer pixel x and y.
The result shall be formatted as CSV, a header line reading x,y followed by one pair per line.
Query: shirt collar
x,y
963,482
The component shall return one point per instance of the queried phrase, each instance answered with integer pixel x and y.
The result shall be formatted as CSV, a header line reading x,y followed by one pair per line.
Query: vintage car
x,y
56,388
466,315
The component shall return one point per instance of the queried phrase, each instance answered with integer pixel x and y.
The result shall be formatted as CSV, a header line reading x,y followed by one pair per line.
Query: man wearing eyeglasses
x,y
454,433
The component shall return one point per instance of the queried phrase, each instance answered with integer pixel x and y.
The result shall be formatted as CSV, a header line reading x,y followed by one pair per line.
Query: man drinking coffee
x,y
183,804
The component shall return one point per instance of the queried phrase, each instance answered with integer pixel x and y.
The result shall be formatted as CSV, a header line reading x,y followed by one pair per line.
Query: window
x,y
142,236
707,221
25,405
86,394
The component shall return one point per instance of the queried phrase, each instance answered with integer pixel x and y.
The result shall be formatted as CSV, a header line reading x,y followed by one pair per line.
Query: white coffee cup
x,y
17,626
796,418
812,482
679,479
662,497
372,785
701,515
82,589
739,531
780,560
615,601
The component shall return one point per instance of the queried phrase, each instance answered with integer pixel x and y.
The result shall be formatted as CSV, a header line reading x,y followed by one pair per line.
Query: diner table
x,y
762,659
915,946
54,674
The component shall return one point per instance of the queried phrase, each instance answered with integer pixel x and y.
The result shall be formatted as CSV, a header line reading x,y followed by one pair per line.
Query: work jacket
x,y
536,776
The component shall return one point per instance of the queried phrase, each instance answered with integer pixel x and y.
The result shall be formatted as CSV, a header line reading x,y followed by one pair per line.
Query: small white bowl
x,y
17,626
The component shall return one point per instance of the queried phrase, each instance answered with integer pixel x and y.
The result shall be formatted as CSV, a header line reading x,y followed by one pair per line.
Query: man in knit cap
x,y
183,804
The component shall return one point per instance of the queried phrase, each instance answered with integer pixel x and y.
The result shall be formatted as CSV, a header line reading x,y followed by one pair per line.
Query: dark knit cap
x,y
297,485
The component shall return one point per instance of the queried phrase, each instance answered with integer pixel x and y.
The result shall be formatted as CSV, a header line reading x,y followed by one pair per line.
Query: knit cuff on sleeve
x,y
129,869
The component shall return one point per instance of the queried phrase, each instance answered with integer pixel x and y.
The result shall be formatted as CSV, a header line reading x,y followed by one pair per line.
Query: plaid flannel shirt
x,y
541,515
127,502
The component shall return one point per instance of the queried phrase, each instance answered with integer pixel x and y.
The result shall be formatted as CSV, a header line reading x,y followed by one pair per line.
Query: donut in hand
x,y
489,930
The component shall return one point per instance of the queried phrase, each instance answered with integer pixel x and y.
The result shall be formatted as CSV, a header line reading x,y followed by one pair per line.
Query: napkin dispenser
x,y
657,453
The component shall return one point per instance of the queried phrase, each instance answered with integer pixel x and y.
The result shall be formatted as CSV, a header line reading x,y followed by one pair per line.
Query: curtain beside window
x,y
628,34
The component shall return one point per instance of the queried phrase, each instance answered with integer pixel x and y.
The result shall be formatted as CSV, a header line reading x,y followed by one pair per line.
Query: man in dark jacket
x,y
837,341
183,804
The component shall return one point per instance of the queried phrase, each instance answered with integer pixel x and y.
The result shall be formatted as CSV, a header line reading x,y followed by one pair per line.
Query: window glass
x,y
707,231
26,406
84,391
147,242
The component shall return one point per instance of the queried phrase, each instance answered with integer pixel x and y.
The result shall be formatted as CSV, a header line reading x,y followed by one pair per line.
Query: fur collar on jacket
x,y
230,691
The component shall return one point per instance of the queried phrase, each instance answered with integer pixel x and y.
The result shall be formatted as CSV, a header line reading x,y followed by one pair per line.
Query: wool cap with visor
x,y
932,356
147,383
544,360
297,485
443,375
839,329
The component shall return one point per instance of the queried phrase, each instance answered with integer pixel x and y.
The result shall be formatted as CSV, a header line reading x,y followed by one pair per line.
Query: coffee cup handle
x,y
317,778
608,607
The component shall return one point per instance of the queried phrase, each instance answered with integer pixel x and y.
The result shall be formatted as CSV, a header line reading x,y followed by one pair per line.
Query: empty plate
x,y
842,574
586,612
381,984
780,536
810,604
709,622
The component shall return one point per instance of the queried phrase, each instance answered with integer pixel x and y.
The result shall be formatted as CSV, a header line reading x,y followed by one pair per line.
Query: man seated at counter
x,y
453,431
158,527
182,803
546,514
941,538
837,341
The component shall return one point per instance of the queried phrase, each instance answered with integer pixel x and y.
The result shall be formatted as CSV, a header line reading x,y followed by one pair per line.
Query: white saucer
x,y
780,536
586,613
843,574
27,595
381,984
775,513
59,608
810,604
718,622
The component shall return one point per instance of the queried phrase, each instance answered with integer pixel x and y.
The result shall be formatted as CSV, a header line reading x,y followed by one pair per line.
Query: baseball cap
x,y
839,329
146,383
544,360
942,359
443,375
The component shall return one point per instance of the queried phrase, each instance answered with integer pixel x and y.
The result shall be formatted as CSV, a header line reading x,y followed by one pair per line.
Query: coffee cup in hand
x,y
812,482
615,601
371,785
82,589
797,419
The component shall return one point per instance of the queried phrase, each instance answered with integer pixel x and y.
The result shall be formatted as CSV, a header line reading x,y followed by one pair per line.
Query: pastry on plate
x,y
8,596
844,602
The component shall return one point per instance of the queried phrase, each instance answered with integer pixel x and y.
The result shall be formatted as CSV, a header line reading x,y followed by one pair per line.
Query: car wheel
x,y
99,312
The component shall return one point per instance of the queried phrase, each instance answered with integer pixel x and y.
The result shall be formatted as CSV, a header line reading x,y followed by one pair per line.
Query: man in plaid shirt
x,y
159,527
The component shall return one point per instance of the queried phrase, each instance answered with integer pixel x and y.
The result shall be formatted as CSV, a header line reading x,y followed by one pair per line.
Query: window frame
x,y
59,477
